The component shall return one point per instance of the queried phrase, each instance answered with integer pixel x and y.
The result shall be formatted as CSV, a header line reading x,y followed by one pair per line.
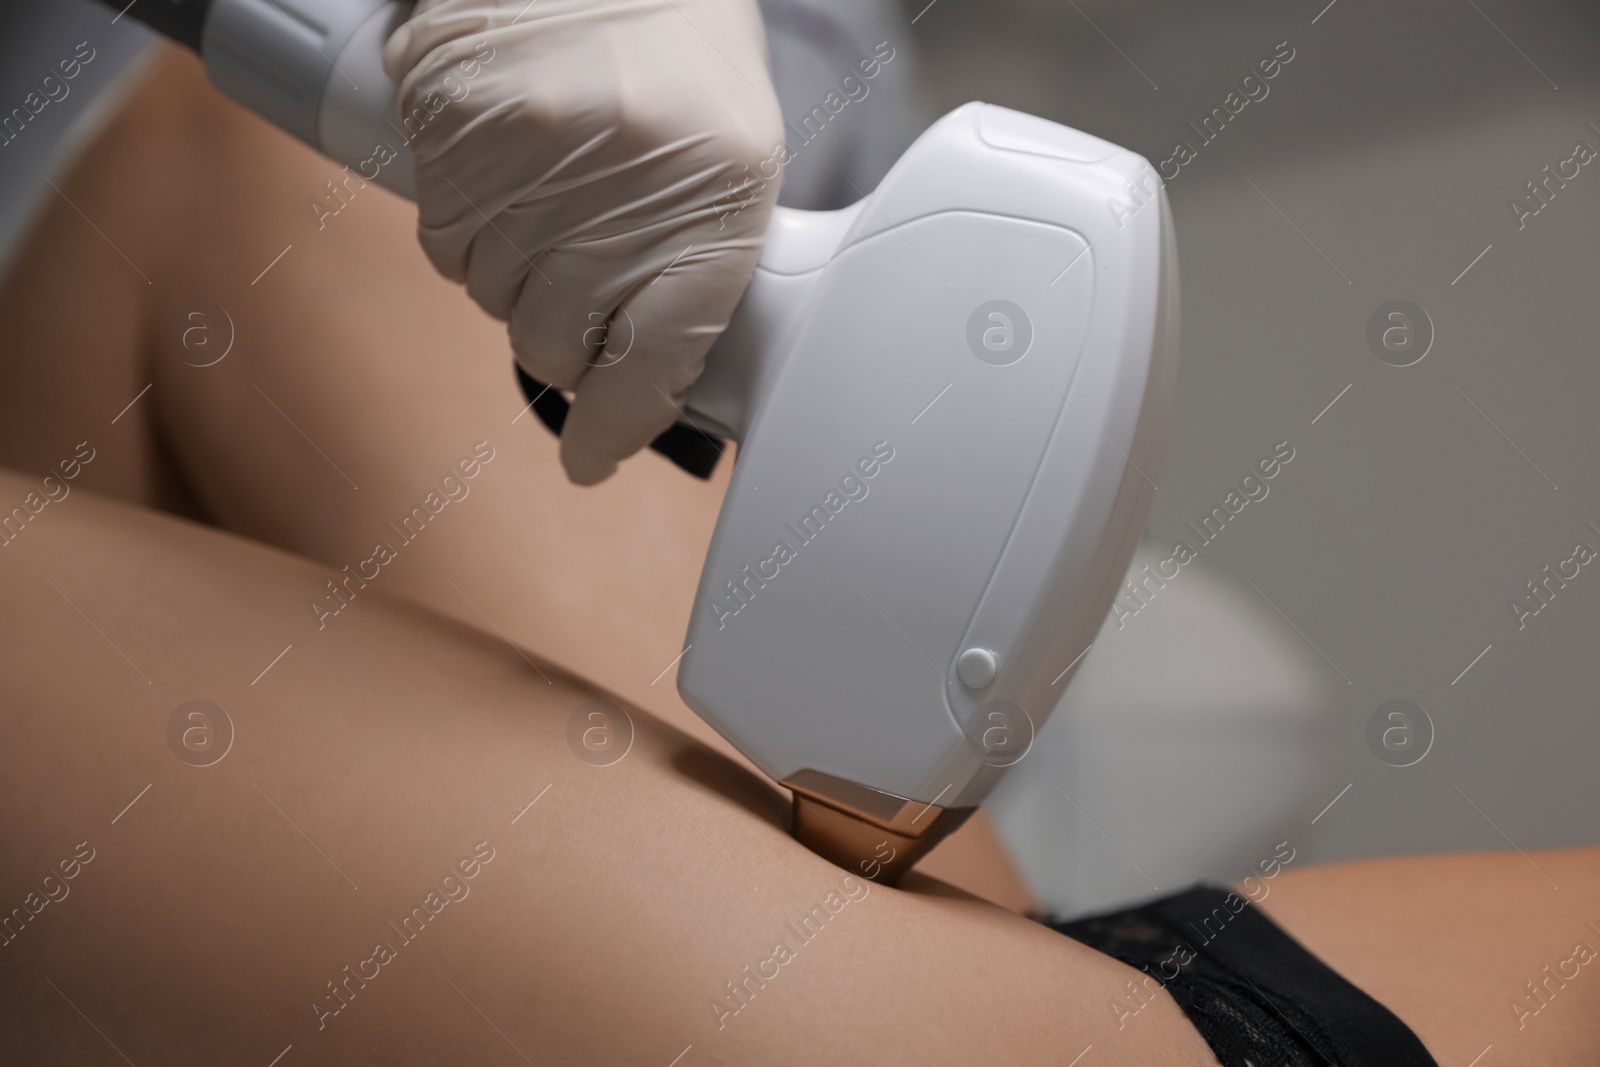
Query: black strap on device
x,y
689,447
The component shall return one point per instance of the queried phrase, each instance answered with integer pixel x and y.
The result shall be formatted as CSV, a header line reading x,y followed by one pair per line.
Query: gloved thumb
x,y
655,350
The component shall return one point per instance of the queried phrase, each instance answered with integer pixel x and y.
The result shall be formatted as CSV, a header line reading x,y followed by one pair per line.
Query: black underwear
x,y
1257,997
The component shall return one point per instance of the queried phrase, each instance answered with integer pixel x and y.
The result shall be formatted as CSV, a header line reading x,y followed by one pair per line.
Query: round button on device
x,y
976,667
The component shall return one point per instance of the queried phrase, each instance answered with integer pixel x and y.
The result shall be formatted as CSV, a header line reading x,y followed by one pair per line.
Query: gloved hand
x,y
603,183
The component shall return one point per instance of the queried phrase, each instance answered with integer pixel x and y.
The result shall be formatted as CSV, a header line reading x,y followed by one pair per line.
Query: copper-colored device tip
x,y
866,831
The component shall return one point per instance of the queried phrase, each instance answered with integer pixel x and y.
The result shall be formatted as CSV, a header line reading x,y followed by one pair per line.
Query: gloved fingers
x,y
562,318
503,187
502,260
570,293
602,107
656,348
606,227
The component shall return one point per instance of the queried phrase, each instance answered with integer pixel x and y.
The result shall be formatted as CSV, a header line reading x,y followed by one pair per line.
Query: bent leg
x,y
399,858
355,381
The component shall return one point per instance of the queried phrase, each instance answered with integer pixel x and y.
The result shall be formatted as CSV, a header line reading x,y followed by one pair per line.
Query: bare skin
x,y
374,758
388,742
378,755
355,381
1449,943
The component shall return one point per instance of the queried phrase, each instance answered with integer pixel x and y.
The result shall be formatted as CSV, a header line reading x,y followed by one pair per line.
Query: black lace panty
x,y
1257,997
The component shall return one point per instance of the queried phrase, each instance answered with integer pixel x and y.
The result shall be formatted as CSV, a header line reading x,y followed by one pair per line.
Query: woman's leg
x,y
356,381
398,857
384,848
1473,950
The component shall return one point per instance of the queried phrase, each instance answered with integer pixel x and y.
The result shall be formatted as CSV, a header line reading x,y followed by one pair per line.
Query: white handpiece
x,y
951,398
961,392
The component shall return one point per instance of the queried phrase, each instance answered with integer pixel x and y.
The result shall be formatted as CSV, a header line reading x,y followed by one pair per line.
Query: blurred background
x,y
1225,715
1233,711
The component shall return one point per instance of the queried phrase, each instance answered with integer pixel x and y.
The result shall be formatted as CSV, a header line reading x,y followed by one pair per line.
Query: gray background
x,y
1396,538
35,39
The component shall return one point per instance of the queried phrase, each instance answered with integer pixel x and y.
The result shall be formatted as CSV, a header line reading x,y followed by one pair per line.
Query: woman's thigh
x,y
1473,951
376,842
352,384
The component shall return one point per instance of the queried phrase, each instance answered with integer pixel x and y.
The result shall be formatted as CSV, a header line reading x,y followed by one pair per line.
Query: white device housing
x,y
988,549
1020,478
315,69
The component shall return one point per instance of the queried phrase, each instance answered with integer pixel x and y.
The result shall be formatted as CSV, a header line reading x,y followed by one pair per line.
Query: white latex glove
x,y
604,164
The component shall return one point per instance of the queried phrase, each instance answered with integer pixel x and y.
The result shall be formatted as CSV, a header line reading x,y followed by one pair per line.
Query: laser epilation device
x,y
951,400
